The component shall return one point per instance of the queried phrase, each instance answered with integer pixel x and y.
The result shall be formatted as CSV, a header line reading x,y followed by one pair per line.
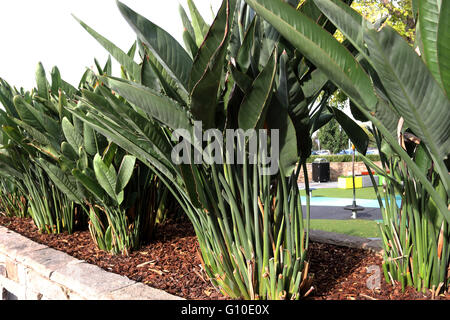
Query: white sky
x,y
44,30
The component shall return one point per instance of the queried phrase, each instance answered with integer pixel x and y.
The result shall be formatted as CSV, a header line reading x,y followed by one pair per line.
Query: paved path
x,y
338,213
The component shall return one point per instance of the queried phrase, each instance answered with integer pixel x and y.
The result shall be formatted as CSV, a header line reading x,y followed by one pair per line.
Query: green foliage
x,y
250,229
414,146
332,137
78,170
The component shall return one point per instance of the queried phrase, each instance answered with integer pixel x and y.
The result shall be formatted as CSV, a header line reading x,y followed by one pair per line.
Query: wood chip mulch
x,y
170,263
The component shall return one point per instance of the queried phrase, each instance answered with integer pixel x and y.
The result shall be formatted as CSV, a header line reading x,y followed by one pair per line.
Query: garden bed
x,y
171,263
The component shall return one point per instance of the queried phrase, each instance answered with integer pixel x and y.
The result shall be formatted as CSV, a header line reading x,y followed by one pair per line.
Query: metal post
x,y
354,208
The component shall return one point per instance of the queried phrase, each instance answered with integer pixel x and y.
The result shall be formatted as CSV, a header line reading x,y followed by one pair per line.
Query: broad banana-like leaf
x,y
90,144
128,63
26,113
155,105
190,44
187,24
62,181
208,65
73,137
198,23
244,54
411,88
320,47
106,176
6,99
107,69
429,16
153,132
30,114
68,151
127,141
109,154
148,76
278,118
168,84
90,184
269,40
258,98
37,135
166,49
41,82
443,45
356,134
56,80
125,172
356,113
214,41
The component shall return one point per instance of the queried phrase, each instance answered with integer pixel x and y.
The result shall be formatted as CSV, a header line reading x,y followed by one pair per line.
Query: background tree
x,y
332,137
399,12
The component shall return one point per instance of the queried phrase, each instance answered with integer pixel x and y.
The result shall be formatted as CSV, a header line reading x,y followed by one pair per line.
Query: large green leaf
x,y
208,67
26,112
346,19
41,82
199,24
126,61
429,15
356,134
411,88
168,51
443,45
56,80
90,143
125,172
62,181
187,24
320,47
127,141
106,176
168,84
90,184
278,118
258,98
37,118
152,131
73,137
148,76
37,135
155,105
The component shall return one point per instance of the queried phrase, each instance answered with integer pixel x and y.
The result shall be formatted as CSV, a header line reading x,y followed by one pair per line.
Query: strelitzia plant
x,y
392,86
51,209
76,167
250,227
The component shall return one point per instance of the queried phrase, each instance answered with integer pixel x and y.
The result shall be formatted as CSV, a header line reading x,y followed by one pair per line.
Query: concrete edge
x,y
346,240
81,279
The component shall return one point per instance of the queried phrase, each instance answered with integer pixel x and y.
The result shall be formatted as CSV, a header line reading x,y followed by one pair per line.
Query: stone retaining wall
x,y
31,271
337,169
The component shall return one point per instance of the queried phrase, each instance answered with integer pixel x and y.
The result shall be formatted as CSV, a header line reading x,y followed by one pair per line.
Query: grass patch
x,y
361,193
358,228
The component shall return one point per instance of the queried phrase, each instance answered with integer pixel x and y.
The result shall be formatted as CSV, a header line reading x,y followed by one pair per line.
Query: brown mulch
x,y
171,263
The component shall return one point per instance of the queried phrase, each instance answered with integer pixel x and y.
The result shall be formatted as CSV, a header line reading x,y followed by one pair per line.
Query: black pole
x,y
353,176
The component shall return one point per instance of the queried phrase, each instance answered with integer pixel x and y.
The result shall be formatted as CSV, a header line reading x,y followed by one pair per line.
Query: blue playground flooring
x,y
342,202
333,208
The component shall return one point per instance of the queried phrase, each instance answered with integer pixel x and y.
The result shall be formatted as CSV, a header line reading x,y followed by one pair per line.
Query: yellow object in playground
x,y
347,182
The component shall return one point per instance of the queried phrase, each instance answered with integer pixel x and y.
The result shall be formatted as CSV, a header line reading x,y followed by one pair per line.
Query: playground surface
x,y
328,202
